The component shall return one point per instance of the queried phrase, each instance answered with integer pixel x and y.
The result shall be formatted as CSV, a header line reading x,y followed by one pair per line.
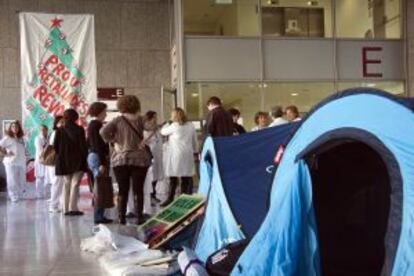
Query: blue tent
x,y
342,197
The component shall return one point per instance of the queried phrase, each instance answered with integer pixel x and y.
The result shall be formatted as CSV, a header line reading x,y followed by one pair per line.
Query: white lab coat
x,y
15,166
41,171
55,181
15,146
182,145
40,145
155,144
257,128
278,121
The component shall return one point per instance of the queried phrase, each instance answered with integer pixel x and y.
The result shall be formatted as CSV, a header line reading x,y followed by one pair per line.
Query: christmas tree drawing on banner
x,y
56,85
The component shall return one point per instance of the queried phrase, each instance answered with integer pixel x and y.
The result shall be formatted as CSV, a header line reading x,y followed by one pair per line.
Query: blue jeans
x,y
93,164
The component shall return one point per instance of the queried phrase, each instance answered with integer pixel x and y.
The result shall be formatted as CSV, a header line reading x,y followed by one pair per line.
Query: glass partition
x,y
221,18
393,87
297,18
244,96
368,19
304,95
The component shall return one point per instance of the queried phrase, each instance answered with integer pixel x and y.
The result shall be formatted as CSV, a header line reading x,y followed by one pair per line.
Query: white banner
x,y
58,68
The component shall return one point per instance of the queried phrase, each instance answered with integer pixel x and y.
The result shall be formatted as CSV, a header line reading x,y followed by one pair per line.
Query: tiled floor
x,y
35,242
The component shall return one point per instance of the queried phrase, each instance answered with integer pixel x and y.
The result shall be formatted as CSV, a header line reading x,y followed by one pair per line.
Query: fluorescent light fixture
x,y
294,94
371,85
224,1
194,95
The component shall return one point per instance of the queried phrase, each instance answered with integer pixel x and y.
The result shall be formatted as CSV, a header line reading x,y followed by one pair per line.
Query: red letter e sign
x,y
366,61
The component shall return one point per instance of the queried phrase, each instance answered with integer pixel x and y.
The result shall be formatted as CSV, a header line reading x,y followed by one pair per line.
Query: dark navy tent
x,y
341,200
236,175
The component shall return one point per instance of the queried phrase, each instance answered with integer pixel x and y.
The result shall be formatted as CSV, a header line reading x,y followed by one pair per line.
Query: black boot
x,y
154,199
122,202
139,208
173,187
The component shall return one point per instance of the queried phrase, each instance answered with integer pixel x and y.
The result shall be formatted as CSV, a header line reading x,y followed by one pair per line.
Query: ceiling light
x,y
194,95
294,94
312,3
371,85
224,1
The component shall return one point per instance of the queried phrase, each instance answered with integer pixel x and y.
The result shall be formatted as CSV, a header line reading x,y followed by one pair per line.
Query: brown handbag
x,y
103,192
48,156
3,152
147,149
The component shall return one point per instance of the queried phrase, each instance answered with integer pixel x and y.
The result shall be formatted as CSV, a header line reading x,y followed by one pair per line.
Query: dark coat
x,y
71,149
218,123
238,129
95,142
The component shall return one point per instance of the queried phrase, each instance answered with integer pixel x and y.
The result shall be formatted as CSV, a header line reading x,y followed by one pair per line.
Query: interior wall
x,y
393,15
227,21
132,46
362,18
325,4
347,27
248,18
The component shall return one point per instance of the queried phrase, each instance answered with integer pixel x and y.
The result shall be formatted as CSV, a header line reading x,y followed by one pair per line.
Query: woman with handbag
x,y
55,204
98,163
71,154
182,148
130,158
41,173
14,160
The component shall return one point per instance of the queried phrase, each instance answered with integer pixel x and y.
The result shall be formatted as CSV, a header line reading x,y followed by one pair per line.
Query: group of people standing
x,y
276,117
126,147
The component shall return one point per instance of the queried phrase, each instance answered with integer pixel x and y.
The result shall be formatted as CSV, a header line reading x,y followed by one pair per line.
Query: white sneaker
x,y
54,210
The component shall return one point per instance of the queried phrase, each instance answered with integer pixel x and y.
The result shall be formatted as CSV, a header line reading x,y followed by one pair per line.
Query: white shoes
x,y
54,210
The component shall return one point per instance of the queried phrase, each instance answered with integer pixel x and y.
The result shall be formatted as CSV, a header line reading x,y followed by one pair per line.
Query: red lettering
x,y
58,69
57,87
74,82
75,101
65,75
40,93
53,106
53,59
83,108
46,100
46,79
59,111
366,61
42,73
69,97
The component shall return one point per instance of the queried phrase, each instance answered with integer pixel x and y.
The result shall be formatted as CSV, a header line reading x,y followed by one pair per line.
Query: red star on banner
x,y
56,22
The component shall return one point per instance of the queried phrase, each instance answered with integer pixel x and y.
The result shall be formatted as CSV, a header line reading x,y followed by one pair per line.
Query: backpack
x,y
221,262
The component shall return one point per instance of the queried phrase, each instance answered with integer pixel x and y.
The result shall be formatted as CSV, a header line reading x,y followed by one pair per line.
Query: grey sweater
x,y
125,142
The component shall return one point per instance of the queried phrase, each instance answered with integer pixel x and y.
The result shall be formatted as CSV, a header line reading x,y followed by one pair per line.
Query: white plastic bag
x,y
190,265
118,264
105,240
100,242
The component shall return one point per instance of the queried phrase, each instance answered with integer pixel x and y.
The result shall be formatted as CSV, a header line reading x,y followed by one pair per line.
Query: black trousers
x,y
124,175
186,185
